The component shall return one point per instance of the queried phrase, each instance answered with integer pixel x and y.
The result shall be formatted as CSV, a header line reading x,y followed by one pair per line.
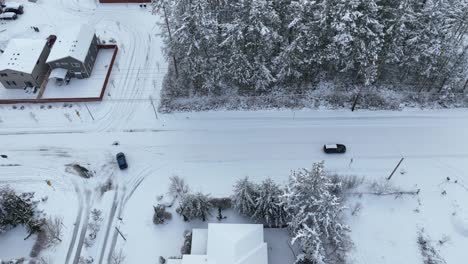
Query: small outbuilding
x,y
226,244
75,51
23,63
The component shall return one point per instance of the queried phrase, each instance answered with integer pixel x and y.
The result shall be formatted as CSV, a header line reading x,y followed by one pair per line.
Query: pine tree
x,y
356,38
268,207
18,209
244,197
315,214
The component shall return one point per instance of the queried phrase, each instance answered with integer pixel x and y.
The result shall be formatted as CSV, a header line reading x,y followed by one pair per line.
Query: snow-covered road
x,y
212,150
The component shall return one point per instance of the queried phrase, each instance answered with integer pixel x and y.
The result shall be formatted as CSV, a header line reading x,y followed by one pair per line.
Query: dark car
x,y
121,160
334,148
13,7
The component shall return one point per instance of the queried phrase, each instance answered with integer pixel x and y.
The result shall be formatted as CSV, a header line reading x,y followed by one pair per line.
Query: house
x,y
74,52
226,244
23,63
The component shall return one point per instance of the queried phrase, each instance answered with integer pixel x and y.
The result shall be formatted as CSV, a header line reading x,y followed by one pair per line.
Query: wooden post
x,y
356,100
89,112
120,233
154,108
398,165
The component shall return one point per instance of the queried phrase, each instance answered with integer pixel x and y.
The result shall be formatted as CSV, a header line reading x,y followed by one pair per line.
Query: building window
x,y
14,83
8,83
57,64
64,63
28,84
3,74
76,65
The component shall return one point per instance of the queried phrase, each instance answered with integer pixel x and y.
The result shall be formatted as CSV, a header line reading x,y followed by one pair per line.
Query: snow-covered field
x,y
211,150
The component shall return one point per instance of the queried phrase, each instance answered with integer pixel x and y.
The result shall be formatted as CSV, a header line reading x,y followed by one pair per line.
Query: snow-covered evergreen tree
x,y
268,207
194,206
18,209
356,38
315,214
244,197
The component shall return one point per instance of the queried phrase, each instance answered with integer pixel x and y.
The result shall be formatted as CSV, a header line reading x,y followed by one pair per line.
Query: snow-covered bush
x,y
194,206
94,226
18,209
428,251
187,246
315,214
244,197
160,215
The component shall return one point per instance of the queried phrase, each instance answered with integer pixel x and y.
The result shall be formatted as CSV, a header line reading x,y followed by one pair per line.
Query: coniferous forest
x,y
251,48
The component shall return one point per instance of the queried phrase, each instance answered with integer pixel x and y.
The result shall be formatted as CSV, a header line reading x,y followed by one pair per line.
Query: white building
x,y
22,63
74,52
227,244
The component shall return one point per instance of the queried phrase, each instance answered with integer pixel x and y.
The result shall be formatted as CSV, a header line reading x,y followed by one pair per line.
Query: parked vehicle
x,y
334,148
121,160
8,16
13,7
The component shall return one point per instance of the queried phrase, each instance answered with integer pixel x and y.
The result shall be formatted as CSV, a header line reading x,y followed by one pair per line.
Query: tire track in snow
x,y
77,224
123,203
84,228
109,224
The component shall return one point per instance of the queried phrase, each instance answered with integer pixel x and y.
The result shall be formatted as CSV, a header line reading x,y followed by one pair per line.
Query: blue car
x,y
121,160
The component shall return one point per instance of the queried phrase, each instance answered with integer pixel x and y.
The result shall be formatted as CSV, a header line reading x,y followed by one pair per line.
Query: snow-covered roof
x,y
22,54
229,244
72,42
199,239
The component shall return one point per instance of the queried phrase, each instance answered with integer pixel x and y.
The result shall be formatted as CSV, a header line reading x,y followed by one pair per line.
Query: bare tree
x,y
54,229
117,257
177,187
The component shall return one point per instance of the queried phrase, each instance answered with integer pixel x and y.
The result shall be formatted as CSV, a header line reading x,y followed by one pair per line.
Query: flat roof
x,y
22,54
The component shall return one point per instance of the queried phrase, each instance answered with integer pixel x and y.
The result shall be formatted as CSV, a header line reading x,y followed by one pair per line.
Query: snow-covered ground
x,y
211,150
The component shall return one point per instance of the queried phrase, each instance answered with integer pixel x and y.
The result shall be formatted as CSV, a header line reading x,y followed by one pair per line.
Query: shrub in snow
x,y
193,206
177,187
268,206
160,215
428,252
315,215
117,257
343,184
245,196
93,227
186,248
18,209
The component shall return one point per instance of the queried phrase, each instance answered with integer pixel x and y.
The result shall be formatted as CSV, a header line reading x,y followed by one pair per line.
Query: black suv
x,y
334,148
121,160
